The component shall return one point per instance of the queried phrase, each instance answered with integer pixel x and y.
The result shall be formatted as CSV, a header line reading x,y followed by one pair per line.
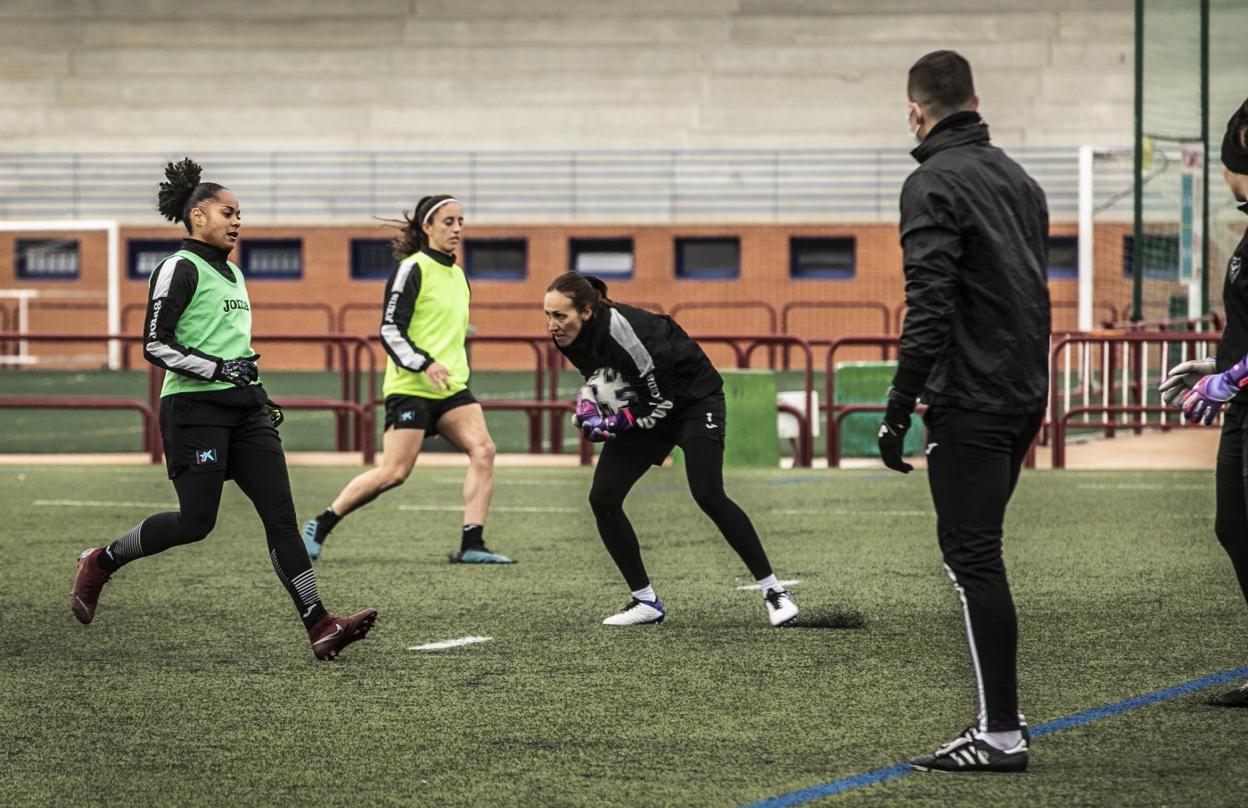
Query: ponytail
x,y
181,191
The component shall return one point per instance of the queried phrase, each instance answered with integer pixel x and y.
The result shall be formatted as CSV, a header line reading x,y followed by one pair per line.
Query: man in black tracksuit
x,y
974,348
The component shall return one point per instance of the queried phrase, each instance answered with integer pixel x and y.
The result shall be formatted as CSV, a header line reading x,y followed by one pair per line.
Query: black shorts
x,y
417,412
705,419
200,429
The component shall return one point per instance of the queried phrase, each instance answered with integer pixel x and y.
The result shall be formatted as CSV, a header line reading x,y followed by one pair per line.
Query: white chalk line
x,y
438,646
1142,487
755,587
848,512
493,509
93,503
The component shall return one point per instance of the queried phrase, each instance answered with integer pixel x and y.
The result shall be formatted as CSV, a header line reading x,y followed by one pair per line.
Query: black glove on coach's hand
x,y
238,372
893,429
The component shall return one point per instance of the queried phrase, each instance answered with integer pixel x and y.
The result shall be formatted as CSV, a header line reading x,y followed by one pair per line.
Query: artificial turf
x,y
195,685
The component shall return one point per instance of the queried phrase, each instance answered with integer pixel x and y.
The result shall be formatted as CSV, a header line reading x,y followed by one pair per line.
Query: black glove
x,y
238,372
893,429
275,412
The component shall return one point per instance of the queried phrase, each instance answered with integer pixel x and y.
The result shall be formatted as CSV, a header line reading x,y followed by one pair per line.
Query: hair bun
x,y
181,179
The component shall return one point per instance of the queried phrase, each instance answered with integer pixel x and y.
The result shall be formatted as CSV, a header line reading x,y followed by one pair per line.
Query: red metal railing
x,y
343,409
322,308
150,426
1110,375
836,413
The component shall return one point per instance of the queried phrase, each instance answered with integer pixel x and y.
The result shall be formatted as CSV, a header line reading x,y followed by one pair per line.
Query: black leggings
x,y
261,474
1231,524
620,467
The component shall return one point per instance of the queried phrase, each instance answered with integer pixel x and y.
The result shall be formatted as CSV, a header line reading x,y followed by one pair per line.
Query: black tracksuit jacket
x,y
1234,343
974,233
667,369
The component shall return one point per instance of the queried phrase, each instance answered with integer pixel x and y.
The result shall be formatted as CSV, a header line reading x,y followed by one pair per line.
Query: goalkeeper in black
x,y
679,402
216,421
974,349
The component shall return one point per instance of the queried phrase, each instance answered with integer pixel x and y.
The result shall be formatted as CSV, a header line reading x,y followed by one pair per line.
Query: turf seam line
x,y
883,775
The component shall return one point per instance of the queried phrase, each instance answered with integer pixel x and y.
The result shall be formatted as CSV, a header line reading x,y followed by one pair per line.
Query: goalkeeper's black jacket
x,y
1234,343
666,368
974,237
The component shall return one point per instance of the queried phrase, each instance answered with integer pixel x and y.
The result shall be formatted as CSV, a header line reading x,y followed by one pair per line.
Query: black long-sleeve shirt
x,y
665,366
1234,343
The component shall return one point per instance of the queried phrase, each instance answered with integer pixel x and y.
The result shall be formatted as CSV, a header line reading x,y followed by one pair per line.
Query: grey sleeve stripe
x,y
164,278
174,360
623,333
401,348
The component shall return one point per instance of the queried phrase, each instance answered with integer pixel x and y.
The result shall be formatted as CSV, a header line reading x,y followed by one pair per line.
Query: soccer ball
x,y
609,388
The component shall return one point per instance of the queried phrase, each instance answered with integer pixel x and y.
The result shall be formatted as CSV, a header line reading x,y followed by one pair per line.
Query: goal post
x,y
113,230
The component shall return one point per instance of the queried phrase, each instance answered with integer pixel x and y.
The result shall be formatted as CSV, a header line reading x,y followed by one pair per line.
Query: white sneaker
x,y
638,613
781,608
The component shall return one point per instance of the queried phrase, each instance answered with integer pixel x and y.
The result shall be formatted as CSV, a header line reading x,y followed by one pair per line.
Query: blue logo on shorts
x,y
407,415
205,456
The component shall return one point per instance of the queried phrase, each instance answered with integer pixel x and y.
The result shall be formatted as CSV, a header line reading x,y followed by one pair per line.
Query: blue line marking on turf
x,y
883,775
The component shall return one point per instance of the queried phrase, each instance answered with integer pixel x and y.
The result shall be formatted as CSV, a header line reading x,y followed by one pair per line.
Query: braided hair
x,y
411,237
181,191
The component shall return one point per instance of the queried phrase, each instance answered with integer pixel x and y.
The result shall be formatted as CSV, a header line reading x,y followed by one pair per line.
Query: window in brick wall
x,y
272,259
145,254
822,258
708,258
47,259
372,259
496,259
1063,257
610,258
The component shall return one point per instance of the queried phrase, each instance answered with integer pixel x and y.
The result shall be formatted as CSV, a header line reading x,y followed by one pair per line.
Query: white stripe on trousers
x,y
970,638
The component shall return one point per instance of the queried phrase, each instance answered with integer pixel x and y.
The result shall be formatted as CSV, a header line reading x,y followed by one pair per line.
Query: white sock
x,y
646,593
769,583
1001,740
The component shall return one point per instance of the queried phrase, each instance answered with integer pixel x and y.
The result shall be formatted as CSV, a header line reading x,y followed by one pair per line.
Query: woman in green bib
x,y
216,421
424,326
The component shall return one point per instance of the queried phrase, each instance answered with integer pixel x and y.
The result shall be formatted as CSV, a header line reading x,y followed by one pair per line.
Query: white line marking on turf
x,y
493,508
91,503
460,481
438,646
794,582
848,512
1142,487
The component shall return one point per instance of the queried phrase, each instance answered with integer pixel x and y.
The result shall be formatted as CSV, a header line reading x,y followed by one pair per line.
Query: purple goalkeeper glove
x,y
1203,402
598,428
585,408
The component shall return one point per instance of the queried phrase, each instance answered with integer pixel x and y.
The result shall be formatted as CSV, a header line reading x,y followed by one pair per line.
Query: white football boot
x,y
781,608
638,613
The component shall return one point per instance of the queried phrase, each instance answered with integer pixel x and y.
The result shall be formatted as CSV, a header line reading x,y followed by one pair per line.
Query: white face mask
x,y
914,130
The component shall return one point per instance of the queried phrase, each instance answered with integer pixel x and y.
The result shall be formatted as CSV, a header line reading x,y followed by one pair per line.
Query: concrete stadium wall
x,y
166,76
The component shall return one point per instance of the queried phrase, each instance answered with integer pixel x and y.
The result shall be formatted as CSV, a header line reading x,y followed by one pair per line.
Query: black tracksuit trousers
x,y
1231,524
973,461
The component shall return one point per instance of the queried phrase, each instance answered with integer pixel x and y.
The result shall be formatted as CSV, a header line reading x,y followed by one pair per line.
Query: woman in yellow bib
x,y
424,325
